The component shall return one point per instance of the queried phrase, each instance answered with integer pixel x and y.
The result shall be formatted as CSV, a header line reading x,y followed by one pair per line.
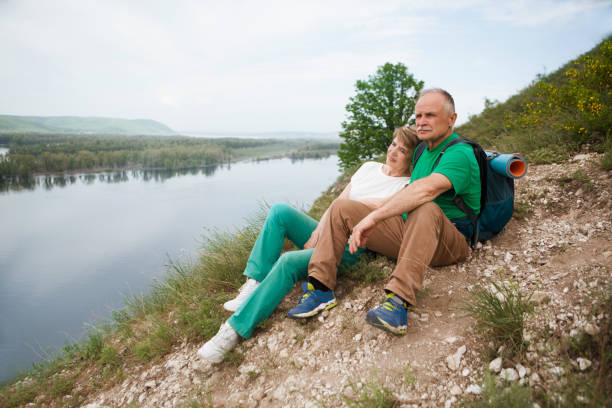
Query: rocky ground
x,y
558,251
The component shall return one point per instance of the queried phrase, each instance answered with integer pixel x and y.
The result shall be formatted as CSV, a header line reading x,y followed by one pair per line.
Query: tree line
x,y
41,153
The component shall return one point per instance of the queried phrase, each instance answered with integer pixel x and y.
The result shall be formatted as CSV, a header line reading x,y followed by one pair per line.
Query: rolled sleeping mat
x,y
509,165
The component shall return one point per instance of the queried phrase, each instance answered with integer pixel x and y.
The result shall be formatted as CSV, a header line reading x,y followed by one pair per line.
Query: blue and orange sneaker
x,y
391,316
312,302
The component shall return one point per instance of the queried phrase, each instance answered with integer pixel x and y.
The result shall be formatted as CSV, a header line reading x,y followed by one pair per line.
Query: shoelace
x,y
390,306
305,296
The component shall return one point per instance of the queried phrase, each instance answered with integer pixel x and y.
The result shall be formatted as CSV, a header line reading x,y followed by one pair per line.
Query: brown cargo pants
x,y
426,238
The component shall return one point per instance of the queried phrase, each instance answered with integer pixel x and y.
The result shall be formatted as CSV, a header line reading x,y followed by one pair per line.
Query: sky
x,y
270,66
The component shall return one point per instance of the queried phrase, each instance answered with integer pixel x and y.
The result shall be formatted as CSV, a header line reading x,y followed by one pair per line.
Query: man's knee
x,y
345,207
429,211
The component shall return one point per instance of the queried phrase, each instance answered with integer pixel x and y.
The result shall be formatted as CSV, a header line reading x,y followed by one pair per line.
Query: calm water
x,y
70,248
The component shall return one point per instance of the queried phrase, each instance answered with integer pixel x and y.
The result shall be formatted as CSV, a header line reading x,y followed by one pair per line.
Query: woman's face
x,y
398,156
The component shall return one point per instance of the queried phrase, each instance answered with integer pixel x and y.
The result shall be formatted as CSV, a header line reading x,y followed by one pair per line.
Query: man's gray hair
x,y
449,102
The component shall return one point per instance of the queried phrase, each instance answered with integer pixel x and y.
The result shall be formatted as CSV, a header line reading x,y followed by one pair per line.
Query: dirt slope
x,y
560,251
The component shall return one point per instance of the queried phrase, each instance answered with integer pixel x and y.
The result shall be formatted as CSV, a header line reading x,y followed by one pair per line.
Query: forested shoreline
x,y
31,154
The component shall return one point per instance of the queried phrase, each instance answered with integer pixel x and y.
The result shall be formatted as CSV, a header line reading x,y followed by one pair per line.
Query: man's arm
x,y
405,200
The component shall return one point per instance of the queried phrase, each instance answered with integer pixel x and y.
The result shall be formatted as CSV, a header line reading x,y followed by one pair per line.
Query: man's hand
x,y
312,241
361,232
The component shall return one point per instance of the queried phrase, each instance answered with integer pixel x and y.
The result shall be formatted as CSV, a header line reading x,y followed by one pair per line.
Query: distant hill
x,y
79,124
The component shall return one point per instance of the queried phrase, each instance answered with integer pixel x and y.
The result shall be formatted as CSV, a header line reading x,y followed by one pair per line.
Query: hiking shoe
x,y
391,316
225,340
244,292
312,302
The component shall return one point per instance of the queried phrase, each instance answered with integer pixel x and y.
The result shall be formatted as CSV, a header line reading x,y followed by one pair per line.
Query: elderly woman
x,y
271,276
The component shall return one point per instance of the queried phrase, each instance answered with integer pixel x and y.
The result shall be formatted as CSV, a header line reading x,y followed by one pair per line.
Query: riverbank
x,y
554,252
35,154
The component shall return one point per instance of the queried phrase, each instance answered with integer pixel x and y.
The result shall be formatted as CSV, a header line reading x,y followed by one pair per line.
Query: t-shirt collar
x,y
441,146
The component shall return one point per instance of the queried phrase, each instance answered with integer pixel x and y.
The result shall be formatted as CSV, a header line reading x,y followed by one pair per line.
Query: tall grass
x,y
500,311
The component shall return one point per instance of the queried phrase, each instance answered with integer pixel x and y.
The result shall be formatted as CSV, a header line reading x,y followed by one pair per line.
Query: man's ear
x,y
453,118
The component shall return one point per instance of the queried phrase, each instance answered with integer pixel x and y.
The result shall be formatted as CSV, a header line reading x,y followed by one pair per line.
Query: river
x,y
72,247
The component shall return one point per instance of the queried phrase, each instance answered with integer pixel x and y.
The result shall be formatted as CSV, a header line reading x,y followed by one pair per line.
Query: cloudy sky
x,y
257,66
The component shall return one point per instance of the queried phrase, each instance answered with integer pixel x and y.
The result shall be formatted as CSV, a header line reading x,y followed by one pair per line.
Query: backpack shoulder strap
x,y
450,144
418,152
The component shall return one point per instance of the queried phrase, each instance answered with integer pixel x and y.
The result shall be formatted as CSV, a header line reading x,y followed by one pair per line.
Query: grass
x,y
579,178
373,394
606,161
501,395
522,209
499,310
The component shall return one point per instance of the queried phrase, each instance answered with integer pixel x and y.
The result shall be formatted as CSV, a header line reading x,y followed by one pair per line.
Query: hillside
x,y
78,124
523,322
557,252
556,114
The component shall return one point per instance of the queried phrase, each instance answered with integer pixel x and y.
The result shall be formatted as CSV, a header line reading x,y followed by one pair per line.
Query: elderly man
x,y
417,225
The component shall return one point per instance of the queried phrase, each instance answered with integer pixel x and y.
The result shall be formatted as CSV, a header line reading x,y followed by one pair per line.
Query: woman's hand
x,y
312,241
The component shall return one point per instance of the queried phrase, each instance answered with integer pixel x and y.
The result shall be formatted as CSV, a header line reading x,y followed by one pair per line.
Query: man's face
x,y
433,122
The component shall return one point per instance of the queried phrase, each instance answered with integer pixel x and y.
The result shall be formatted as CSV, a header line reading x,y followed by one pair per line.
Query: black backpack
x,y
496,193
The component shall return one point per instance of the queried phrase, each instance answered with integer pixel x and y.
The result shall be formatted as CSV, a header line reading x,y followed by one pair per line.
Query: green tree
x,y
382,103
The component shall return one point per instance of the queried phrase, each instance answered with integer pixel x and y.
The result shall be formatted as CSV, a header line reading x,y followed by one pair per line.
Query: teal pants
x,y
277,273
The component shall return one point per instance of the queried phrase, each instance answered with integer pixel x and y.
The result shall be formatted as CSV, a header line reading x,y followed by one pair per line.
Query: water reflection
x,y
48,182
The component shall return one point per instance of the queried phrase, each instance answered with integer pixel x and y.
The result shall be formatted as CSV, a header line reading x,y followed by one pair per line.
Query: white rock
x,y
456,390
357,337
473,389
521,370
496,365
591,329
534,378
556,370
150,384
279,393
246,368
257,394
450,340
509,374
454,360
465,372
583,363
508,257
580,157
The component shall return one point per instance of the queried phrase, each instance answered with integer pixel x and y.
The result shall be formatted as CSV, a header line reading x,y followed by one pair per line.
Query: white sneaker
x,y
245,291
225,340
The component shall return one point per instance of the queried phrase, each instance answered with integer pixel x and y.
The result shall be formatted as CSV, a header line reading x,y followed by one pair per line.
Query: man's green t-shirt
x,y
459,165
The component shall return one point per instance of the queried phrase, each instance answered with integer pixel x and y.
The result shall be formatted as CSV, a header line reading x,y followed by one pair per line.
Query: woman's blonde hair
x,y
408,136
